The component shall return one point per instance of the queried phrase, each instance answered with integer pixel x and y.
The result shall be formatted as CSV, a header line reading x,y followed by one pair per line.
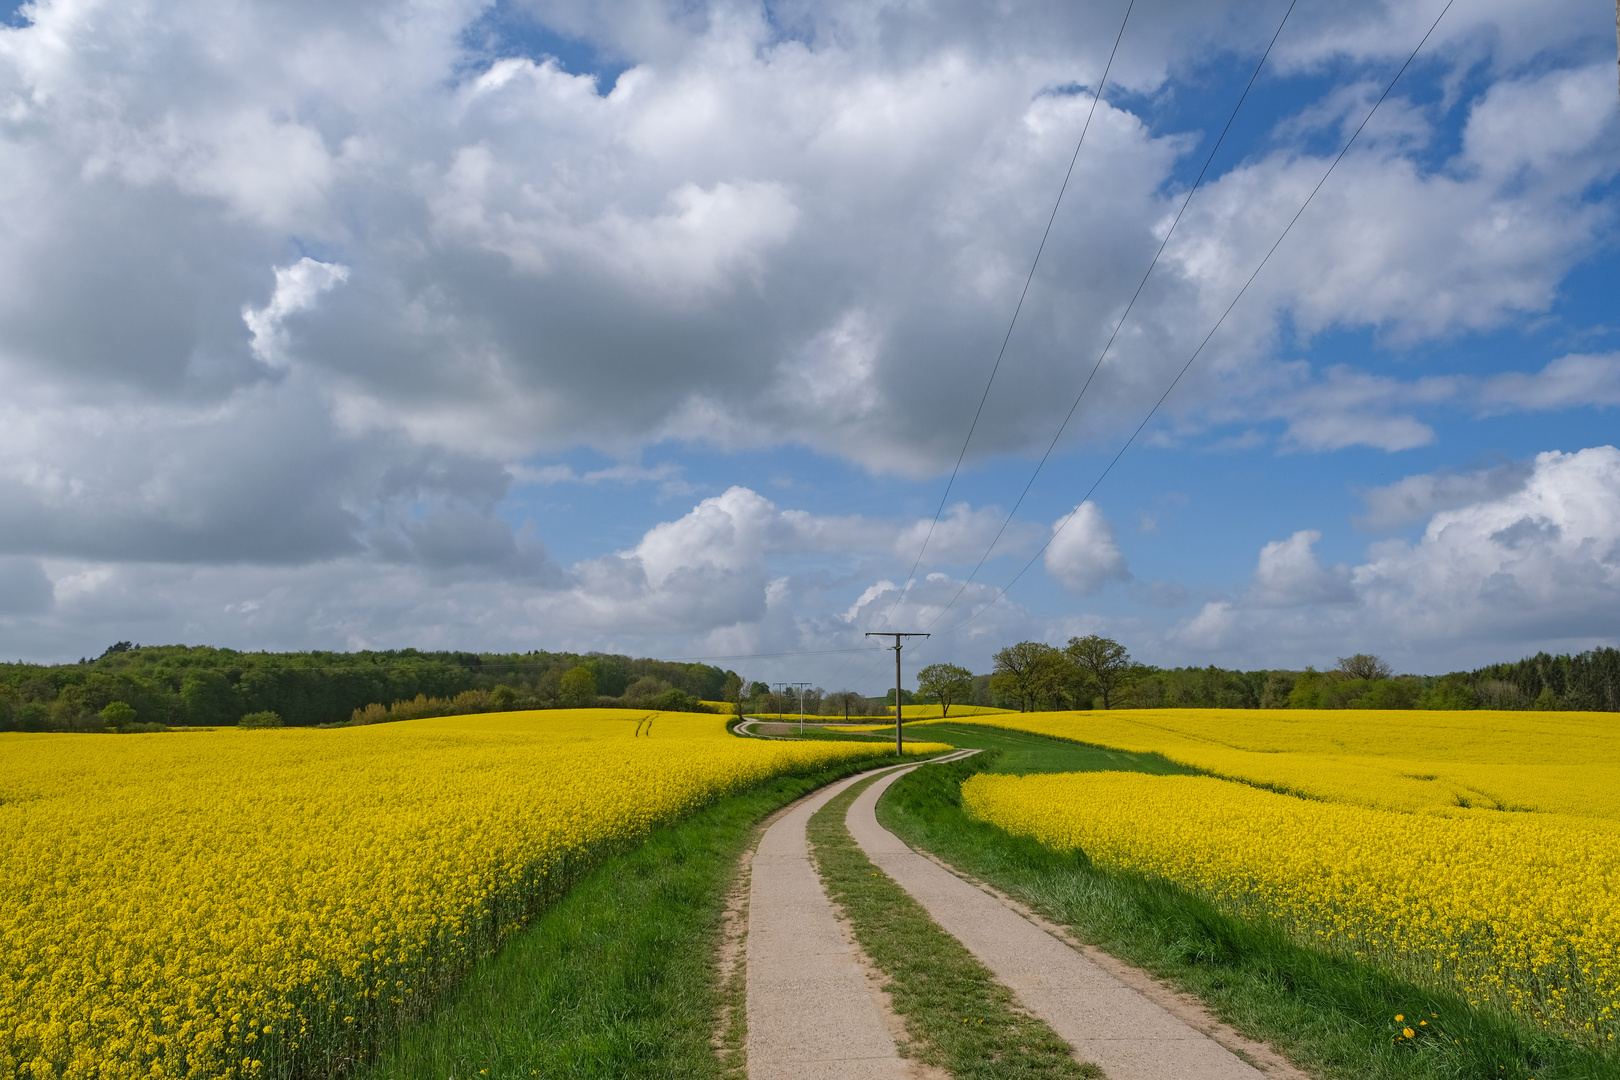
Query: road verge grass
x,y
617,979
1331,1014
958,1017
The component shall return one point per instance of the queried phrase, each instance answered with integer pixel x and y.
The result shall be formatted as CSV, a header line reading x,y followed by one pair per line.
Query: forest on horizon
x,y
190,686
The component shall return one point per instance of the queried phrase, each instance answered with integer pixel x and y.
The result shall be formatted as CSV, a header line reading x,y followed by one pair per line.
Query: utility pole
x,y
899,739
801,686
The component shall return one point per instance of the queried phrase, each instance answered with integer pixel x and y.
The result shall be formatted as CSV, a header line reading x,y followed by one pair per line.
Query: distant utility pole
x,y
899,739
801,686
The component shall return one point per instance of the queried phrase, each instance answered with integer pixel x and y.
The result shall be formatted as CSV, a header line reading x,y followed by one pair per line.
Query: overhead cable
x,y
1140,285
769,655
1017,309
1001,353
1218,323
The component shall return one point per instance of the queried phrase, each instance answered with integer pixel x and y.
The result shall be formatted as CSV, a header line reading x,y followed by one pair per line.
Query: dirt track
x,y
814,1009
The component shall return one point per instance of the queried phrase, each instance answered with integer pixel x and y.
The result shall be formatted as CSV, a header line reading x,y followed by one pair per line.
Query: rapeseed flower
x,y
269,903
1521,909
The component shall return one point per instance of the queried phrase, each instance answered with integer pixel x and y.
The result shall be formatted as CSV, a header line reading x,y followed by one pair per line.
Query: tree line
x,y
1097,672
132,688
150,687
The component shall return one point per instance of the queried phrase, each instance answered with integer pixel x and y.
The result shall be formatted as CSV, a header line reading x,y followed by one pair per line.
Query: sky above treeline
x,y
660,328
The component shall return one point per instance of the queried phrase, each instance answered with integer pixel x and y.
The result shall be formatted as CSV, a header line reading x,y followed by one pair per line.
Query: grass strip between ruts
x,y
1330,1013
617,979
956,1014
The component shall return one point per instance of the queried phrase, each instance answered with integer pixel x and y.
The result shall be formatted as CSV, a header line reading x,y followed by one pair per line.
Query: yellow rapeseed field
x,y
1519,910
1475,849
258,903
1552,762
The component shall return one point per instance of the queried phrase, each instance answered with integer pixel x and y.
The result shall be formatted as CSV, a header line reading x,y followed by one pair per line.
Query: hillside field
x,y
1478,851
276,903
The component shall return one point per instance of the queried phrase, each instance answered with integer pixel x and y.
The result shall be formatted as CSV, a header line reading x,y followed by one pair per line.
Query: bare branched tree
x,y
1365,666
847,702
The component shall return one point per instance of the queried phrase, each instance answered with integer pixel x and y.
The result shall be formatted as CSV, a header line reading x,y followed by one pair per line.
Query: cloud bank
x,y
294,299
1509,558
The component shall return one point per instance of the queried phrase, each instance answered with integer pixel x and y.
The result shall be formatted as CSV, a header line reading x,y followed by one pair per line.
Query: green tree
x,y
945,683
643,688
32,716
209,698
1449,692
264,718
845,701
1310,690
502,698
1279,684
1103,665
577,688
674,700
118,715
606,675
1030,672
732,690
1399,693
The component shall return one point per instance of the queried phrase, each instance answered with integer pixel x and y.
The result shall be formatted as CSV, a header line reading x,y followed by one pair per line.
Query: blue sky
x,y
658,329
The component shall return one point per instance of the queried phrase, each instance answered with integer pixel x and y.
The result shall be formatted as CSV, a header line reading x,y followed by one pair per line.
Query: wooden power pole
x,y
899,739
801,686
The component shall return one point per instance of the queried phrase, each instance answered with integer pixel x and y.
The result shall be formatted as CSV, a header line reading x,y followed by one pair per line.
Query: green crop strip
x,y
958,1017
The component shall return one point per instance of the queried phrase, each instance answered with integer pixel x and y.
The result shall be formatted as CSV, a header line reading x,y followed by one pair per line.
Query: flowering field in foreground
x,y
259,903
1520,910
1551,762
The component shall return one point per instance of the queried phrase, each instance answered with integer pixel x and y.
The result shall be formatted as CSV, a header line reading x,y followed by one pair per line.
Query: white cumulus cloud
x,y
1288,574
1084,554
1517,560
1542,560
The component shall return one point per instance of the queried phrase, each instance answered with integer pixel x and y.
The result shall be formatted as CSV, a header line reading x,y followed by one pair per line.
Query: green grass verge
x,y
617,979
1332,1014
958,1017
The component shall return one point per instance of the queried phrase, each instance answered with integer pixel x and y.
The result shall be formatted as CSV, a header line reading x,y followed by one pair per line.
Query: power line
x,y
1007,337
961,456
1208,160
1218,323
868,672
769,655
538,662
1118,325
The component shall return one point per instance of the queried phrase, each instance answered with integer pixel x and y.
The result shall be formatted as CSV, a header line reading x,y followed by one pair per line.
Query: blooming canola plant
x,y
1479,851
269,903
